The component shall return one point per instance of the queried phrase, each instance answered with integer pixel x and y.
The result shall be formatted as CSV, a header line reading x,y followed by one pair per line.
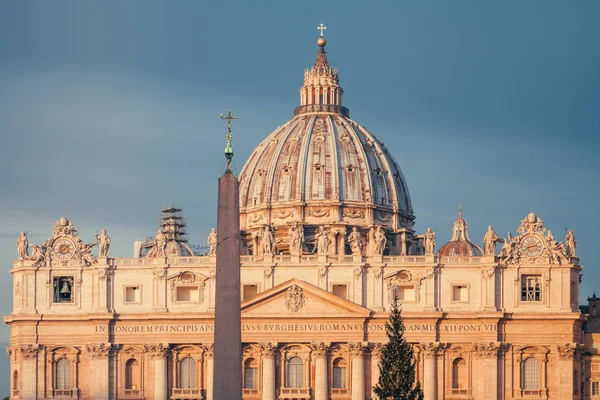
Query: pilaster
x,y
430,351
358,370
319,354
159,353
29,358
268,351
99,354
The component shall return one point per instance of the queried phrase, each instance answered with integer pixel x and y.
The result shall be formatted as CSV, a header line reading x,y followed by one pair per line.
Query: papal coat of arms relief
x,y
294,298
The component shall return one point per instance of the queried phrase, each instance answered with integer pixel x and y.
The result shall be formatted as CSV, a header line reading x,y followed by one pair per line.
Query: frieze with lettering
x,y
295,327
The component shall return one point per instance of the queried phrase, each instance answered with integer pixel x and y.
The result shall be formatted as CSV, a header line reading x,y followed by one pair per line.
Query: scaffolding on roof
x,y
172,223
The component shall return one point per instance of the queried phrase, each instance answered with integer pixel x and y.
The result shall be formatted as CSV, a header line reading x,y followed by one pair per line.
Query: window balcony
x,y
131,394
65,393
341,394
251,394
187,394
294,393
459,393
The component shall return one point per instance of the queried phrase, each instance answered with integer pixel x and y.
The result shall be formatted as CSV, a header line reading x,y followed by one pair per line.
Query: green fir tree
x,y
397,365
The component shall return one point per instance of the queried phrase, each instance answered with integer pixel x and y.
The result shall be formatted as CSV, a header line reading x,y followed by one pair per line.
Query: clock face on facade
x,y
64,248
532,246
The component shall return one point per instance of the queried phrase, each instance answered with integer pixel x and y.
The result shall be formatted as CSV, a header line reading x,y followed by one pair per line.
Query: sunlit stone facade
x,y
328,232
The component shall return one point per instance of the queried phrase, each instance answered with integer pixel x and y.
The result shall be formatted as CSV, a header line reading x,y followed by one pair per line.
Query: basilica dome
x,y
322,168
460,245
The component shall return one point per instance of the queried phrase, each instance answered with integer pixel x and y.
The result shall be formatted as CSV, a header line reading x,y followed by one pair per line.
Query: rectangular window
x,y
251,378
460,293
405,293
340,291
187,294
63,289
250,291
595,388
339,377
531,288
133,294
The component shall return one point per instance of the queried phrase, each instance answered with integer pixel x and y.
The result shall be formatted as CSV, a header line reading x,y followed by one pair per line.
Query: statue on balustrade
x,y
429,242
322,239
103,243
379,241
296,239
489,242
571,243
22,246
267,241
212,242
355,241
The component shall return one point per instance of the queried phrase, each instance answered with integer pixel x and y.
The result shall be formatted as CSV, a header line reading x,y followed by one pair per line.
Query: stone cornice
x,y
209,350
356,349
376,350
320,349
158,350
99,351
430,349
268,348
30,350
487,350
567,351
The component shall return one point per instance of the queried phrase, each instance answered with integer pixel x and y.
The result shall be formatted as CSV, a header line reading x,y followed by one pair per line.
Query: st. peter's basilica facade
x,y
327,227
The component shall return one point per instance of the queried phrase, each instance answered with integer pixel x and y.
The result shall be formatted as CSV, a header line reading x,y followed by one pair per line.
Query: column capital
x,y
430,349
268,348
487,349
567,351
320,349
209,350
158,350
357,349
99,351
30,351
376,349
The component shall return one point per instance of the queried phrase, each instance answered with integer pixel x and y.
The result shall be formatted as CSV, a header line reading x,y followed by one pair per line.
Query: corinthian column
x,y
159,353
430,370
29,354
99,353
268,351
319,352
375,358
209,354
358,370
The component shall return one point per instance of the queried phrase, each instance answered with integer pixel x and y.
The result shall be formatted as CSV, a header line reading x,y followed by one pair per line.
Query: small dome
x,y
460,245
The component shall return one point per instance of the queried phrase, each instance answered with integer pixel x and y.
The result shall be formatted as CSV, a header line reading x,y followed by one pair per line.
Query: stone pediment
x,y
296,298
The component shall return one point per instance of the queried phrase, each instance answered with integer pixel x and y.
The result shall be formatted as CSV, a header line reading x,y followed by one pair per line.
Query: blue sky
x,y
109,109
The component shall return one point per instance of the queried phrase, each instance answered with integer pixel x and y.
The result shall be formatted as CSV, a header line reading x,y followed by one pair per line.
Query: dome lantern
x,y
460,245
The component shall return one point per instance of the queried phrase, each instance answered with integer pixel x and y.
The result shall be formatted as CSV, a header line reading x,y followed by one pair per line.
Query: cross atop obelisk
x,y
321,28
228,137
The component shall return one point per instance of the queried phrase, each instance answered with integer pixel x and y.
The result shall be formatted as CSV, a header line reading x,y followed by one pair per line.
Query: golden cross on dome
x,y
321,28
229,136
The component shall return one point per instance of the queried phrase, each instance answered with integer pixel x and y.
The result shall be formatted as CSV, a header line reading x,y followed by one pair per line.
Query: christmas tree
x,y
397,365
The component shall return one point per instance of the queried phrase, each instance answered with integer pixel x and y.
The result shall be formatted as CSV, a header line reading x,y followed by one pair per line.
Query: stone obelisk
x,y
227,375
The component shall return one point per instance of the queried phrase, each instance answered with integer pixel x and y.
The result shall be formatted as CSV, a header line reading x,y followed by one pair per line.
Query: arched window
x,y
132,374
459,374
15,381
187,373
530,374
295,373
251,374
63,376
339,373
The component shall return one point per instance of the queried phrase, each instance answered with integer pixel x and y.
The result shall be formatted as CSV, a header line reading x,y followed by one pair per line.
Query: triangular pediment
x,y
296,298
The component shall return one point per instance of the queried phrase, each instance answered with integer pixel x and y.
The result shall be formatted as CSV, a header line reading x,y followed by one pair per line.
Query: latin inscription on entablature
x,y
294,327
